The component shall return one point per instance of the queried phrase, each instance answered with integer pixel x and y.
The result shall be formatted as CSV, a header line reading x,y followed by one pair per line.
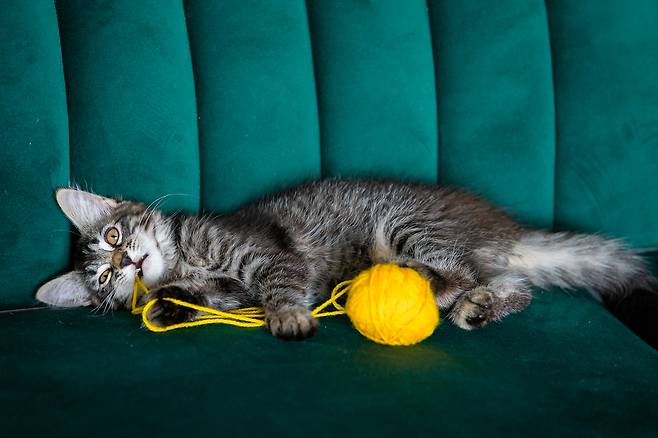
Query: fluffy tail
x,y
605,267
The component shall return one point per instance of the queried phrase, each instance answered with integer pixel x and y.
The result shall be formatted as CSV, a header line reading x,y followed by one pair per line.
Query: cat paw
x,y
291,322
474,309
164,313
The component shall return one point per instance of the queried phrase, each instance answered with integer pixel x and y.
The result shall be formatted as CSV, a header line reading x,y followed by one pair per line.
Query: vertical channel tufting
x,y
556,134
258,121
375,86
34,149
197,165
436,88
605,58
495,104
315,87
131,99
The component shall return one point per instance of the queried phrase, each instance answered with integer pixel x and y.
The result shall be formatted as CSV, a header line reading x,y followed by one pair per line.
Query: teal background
x,y
258,122
131,102
605,62
549,109
34,150
375,84
495,100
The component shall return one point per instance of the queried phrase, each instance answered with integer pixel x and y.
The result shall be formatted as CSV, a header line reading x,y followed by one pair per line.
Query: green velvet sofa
x,y
549,109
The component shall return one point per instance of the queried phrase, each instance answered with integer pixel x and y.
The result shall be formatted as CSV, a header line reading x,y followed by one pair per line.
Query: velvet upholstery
x,y
256,98
551,371
546,108
497,129
34,150
607,117
133,129
375,83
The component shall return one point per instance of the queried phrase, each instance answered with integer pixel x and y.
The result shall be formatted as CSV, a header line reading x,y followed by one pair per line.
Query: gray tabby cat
x,y
286,251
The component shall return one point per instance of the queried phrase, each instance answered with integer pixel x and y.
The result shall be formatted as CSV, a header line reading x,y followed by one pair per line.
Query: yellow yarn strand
x,y
244,317
387,304
340,290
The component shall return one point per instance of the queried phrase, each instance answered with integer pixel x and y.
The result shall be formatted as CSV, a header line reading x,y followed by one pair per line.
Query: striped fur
x,y
287,250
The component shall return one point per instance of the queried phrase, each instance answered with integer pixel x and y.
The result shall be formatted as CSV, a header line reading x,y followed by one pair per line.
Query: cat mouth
x,y
139,270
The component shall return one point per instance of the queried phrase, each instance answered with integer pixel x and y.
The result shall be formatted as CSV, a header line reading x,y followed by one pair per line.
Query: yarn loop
x,y
387,304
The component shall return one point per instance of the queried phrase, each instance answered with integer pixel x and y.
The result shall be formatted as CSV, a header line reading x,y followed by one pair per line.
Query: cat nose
x,y
126,260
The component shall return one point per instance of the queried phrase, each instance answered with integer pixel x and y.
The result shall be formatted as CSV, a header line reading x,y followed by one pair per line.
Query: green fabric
x,y
558,369
549,112
131,100
496,119
605,59
375,83
257,110
379,70
34,150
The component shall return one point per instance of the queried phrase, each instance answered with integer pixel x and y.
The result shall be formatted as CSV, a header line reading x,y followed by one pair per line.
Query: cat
x,y
286,251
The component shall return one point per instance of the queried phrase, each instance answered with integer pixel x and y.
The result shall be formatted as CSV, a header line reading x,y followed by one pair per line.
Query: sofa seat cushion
x,y
557,368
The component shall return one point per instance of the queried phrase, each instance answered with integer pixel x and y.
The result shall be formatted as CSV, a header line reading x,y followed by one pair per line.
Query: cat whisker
x,y
151,206
97,309
59,230
156,203
109,299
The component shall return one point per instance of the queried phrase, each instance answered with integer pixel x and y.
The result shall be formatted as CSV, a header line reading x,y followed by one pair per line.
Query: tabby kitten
x,y
286,251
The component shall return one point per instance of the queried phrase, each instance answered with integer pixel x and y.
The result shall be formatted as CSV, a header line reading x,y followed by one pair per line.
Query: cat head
x,y
117,241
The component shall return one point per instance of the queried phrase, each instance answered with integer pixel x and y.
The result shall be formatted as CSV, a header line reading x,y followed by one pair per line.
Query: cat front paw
x,y
165,313
474,309
291,322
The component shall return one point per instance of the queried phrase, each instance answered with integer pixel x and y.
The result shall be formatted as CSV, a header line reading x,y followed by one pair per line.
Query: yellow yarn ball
x,y
392,305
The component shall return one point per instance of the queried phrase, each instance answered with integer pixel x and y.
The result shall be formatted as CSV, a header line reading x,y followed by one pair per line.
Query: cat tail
x,y
605,267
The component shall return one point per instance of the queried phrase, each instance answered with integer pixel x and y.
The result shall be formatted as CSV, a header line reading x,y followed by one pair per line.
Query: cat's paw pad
x,y
165,313
474,309
291,322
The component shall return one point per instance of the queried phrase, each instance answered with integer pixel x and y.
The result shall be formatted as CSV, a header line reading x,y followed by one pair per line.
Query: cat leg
x,y
283,289
448,279
502,295
444,263
423,245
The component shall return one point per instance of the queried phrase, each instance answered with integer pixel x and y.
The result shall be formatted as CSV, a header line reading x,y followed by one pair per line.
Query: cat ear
x,y
83,208
67,290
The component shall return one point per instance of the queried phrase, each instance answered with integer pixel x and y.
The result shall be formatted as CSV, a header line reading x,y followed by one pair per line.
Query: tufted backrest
x,y
547,108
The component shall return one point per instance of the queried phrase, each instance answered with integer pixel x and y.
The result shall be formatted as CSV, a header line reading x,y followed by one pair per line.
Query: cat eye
x,y
112,236
105,276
